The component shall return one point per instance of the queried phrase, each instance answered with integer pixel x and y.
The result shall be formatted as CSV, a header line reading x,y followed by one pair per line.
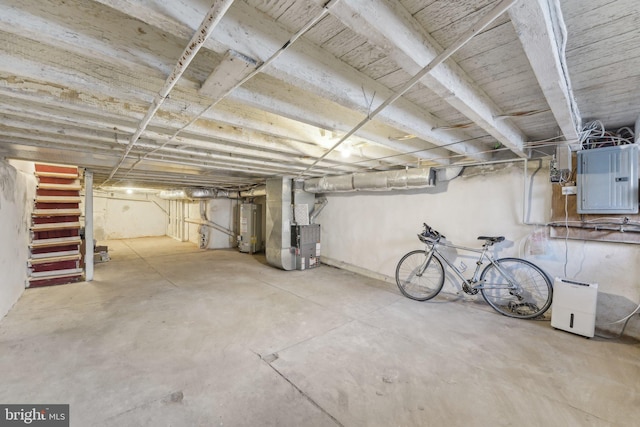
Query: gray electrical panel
x,y
305,240
608,180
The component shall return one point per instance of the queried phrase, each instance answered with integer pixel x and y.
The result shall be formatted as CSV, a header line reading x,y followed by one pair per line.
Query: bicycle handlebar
x,y
430,234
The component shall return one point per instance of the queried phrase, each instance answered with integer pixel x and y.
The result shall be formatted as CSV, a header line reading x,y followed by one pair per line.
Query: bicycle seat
x,y
491,239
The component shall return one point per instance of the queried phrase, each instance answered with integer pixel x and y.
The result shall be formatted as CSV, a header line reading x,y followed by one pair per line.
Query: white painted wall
x,y
369,233
177,228
118,215
221,212
17,191
193,213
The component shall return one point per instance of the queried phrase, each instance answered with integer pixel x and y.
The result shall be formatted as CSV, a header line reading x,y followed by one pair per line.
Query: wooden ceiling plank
x,y
412,48
534,24
306,66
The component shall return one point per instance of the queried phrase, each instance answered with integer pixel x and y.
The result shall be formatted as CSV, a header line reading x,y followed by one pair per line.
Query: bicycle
x,y
513,287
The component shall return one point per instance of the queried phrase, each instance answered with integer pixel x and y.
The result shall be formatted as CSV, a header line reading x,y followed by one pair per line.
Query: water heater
x,y
250,238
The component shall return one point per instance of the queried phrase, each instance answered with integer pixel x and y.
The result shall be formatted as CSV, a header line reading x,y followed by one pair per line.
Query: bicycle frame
x,y
473,281
512,286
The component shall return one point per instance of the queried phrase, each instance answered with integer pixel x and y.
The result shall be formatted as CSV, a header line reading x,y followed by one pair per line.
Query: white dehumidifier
x,y
574,306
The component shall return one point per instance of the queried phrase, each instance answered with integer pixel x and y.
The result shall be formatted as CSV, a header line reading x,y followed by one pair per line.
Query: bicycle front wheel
x,y
516,288
417,281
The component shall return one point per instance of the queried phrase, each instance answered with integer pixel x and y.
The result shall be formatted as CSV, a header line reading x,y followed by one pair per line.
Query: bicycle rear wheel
x,y
530,297
415,284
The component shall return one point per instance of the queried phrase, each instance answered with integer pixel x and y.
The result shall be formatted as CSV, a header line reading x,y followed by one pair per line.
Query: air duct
x,y
319,205
373,181
278,223
173,195
254,192
210,193
197,194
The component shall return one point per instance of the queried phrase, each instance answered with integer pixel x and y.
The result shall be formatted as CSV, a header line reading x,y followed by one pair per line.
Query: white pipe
x,y
210,224
203,32
461,41
558,20
525,191
525,188
88,226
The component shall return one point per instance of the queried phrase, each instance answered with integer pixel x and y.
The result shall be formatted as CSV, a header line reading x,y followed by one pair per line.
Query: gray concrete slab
x,y
168,334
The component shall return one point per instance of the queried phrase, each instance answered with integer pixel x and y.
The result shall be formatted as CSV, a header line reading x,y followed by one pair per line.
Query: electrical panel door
x,y
608,180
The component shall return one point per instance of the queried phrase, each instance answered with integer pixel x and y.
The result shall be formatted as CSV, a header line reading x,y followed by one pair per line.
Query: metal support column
x,y
88,225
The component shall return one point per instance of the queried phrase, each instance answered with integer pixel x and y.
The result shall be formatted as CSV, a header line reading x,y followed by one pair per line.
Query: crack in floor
x,y
273,357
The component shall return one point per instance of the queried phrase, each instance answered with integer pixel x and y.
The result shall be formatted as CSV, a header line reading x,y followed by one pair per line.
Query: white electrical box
x,y
563,156
574,306
608,180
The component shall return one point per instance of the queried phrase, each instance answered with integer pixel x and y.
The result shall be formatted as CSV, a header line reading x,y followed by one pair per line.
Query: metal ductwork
x,y
448,173
197,194
278,224
320,203
254,192
373,181
173,195
210,193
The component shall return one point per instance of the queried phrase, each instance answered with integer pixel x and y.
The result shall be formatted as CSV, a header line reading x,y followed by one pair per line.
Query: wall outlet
x,y
569,189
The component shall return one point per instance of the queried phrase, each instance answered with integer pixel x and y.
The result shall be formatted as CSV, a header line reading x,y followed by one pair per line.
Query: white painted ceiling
x,y
78,76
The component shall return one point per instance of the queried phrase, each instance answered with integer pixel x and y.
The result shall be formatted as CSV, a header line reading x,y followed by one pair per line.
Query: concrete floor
x,y
167,334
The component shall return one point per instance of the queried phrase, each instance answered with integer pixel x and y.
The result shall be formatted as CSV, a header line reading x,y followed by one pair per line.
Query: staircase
x,y
55,227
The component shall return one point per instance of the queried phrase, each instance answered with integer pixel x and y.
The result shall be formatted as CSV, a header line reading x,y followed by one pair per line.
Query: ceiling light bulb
x,y
346,152
129,191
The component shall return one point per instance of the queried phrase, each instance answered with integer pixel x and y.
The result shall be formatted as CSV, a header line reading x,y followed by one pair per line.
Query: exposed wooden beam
x,y
464,38
209,22
540,29
204,134
36,149
275,97
391,27
45,132
304,65
71,25
70,47
230,71
196,142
